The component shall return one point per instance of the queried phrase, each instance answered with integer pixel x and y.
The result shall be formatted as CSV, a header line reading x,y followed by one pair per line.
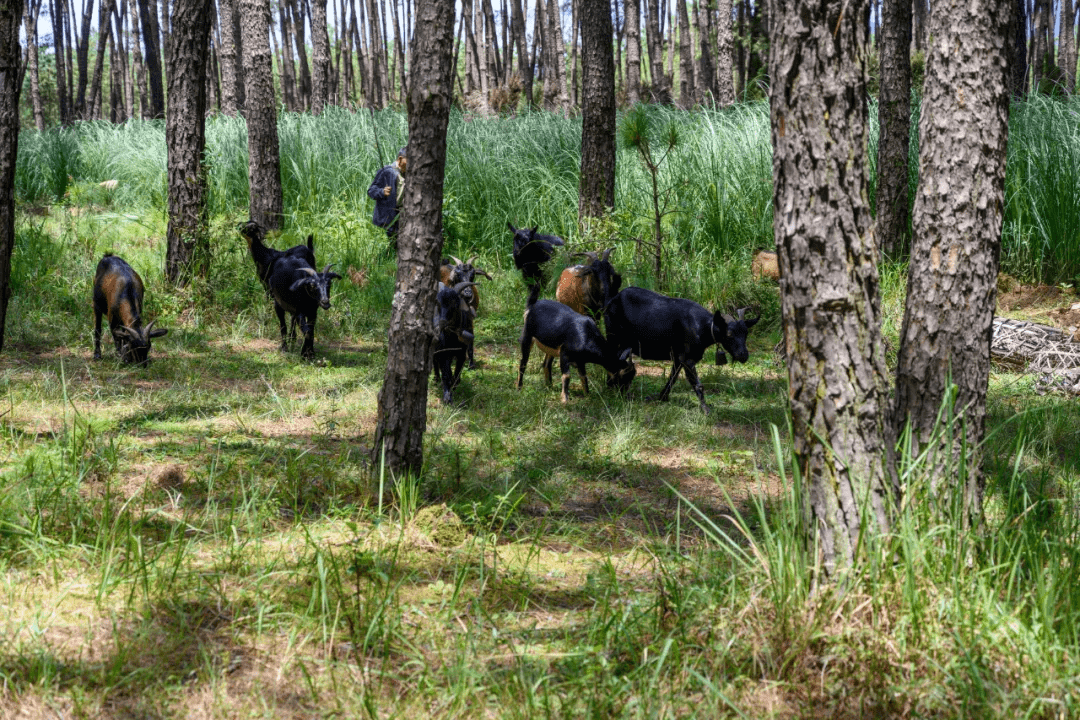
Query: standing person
x,y
386,190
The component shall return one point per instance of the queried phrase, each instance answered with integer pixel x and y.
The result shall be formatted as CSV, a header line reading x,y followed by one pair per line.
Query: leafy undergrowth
x,y
210,536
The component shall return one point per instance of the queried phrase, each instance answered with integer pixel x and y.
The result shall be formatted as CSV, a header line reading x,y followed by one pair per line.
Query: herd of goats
x,y
638,321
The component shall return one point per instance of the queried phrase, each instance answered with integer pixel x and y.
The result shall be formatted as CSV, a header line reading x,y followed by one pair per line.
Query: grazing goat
x,y
453,335
588,288
266,257
575,339
118,294
658,327
300,291
531,250
453,272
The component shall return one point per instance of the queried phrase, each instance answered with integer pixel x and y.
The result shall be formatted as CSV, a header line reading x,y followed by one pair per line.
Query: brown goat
x,y
587,288
765,265
452,273
118,295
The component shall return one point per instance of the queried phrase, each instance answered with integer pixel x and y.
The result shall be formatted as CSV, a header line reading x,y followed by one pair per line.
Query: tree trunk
x,y
120,66
185,137
659,89
725,75
230,54
303,71
165,29
1067,50
633,52
492,33
829,288
1019,65
705,70
894,123
554,54
919,24
32,66
524,66
148,17
286,61
686,58
575,27
399,50
596,191
740,50
138,67
104,38
10,61
377,71
320,57
82,59
117,111
402,414
264,161
952,276
57,13
1039,45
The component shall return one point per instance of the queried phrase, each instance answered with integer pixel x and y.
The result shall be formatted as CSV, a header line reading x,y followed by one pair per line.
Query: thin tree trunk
x,y
952,277
686,57
402,413
894,122
559,60
740,49
32,65
104,37
117,111
264,161
620,29
10,59
320,57
660,90
58,14
383,49
575,27
596,189
232,67
303,71
286,61
148,16
1067,52
120,65
138,67
525,69
399,50
704,71
633,52
493,42
165,29
185,138
1039,45
1019,64
377,75
725,75
82,59
919,24
829,287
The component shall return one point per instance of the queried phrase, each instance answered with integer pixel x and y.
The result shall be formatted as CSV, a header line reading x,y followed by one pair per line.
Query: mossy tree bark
x,y
264,159
596,189
402,414
894,122
10,63
829,280
185,138
952,276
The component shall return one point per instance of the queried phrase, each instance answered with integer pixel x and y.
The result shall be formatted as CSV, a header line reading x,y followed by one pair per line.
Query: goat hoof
x,y
97,356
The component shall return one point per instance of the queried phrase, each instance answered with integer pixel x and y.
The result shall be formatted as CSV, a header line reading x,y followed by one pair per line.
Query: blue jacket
x,y
385,207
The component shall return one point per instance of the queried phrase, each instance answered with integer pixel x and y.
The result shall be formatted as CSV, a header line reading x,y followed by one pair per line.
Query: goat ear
x,y
719,324
311,243
333,276
300,283
626,354
512,228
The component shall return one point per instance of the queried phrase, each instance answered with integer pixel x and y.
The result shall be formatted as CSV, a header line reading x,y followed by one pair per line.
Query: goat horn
x,y
481,272
473,259
462,285
150,326
740,313
327,268
607,253
309,271
456,261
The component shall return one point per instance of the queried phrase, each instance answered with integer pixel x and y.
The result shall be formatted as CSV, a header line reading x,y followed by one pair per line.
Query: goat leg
x,y
692,378
280,311
97,334
663,396
307,327
526,348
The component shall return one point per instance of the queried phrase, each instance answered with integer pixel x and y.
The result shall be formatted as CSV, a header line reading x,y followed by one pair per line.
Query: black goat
x,y
658,327
453,335
531,250
265,257
452,272
588,288
300,291
575,339
118,294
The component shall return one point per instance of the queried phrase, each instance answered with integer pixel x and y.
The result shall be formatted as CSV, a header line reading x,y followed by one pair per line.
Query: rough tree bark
x,y
229,54
525,69
725,72
57,13
952,276
1018,34
152,56
829,287
264,160
894,123
185,137
303,71
82,59
32,65
633,52
10,61
1067,45
320,57
104,39
659,89
596,190
686,57
705,71
402,413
